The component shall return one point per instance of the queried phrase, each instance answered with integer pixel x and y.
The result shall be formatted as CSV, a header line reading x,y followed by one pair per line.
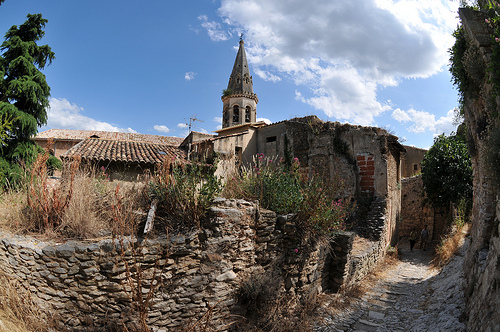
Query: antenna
x,y
191,120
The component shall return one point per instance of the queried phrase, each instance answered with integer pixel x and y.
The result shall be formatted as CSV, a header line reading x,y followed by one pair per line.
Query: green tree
x,y
24,93
447,171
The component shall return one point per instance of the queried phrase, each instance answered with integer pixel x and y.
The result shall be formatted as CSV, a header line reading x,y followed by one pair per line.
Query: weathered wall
x,y
415,213
412,163
88,283
482,262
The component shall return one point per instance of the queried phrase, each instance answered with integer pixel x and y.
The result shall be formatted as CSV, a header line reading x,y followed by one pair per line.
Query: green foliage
x,y
5,127
24,91
457,69
184,191
447,171
279,186
227,92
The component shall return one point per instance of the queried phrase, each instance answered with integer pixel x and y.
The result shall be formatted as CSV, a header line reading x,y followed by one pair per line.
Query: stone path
x,y
409,296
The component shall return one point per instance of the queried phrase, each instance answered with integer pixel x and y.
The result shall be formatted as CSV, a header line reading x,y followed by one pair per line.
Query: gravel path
x,y
409,296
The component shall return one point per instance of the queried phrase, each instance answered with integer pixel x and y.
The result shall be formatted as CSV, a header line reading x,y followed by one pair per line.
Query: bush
x,y
184,191
279,186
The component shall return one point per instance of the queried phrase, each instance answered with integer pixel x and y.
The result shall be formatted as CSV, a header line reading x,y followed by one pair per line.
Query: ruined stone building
x,y
368,159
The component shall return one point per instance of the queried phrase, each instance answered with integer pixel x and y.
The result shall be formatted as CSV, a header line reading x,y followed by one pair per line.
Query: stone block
x,y
64,251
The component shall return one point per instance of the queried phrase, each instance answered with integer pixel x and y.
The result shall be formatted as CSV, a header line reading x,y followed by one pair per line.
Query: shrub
x,y
280,186
47,203
184,191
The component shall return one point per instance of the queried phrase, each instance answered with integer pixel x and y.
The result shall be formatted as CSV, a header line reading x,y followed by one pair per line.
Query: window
x,y
415,167
270,139
247,114
271,146
236,114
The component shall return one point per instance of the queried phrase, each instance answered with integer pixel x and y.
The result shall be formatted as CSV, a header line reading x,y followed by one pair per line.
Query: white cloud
x,y
189,76
161,128
267,121
266,76
214,29
424,121
343,51
64,115
400,115
182,125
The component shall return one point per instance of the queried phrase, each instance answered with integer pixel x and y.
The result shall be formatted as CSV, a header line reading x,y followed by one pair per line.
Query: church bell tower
x,y
239,101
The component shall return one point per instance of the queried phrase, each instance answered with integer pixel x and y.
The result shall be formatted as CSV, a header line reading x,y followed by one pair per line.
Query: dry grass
x,y
88,212
18,311
343,299
450,245
11,207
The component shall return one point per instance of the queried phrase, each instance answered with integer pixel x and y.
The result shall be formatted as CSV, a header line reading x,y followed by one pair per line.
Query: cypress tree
x,y
24,94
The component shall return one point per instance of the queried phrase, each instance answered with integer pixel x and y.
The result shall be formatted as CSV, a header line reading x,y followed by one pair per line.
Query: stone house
x,y
124,156
412,164
122,160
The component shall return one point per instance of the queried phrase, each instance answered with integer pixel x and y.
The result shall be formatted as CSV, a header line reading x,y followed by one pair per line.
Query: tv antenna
x,y
191,120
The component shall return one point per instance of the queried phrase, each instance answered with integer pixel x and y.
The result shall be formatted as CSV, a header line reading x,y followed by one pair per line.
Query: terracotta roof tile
x,y
71,134
95,149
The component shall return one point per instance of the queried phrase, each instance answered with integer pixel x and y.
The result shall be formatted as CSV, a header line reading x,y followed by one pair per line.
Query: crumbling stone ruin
x,y
482,264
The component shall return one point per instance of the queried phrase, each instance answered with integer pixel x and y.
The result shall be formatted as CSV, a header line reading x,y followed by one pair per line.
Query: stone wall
x,y
482,261
415,213
93,283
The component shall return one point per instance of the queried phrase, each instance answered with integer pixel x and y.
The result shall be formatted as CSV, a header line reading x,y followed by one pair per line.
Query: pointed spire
x,y
240,80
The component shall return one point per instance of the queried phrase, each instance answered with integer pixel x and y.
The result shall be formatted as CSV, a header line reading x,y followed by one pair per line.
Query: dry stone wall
x,y
183,275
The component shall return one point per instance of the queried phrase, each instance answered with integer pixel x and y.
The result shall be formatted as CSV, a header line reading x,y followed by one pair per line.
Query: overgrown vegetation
x,y
447,172
18,311
281,187
270,310
450,243
184,192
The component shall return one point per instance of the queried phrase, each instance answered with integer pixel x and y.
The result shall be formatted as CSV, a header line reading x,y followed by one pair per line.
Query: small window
x,y
270,139
247,114
236,114
415,167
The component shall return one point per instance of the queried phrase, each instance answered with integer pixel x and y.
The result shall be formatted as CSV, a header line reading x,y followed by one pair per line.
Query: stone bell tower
x,y
239,101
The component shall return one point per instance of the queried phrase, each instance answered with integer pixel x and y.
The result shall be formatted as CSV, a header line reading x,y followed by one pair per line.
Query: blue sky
x,y
149,66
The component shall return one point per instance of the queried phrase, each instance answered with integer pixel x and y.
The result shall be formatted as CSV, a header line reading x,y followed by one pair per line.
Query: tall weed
x,y
281,187
46,201
184,191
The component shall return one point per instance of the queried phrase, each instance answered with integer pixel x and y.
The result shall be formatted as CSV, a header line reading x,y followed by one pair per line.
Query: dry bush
x,y
269,308
78,206
18,311
342,300
12,203
450,245
47,201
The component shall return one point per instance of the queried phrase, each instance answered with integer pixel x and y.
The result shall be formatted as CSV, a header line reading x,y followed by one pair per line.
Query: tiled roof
x,y
71,134
95,149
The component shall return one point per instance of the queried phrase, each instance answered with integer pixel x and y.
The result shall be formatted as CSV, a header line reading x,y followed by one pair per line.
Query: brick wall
x,y
366,165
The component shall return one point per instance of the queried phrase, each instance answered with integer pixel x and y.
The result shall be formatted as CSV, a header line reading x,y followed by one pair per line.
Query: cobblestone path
x,y
409,296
